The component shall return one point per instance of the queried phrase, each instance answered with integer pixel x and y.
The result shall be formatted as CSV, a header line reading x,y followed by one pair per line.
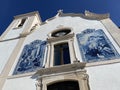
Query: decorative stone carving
x,y
60,12
38,85
85,77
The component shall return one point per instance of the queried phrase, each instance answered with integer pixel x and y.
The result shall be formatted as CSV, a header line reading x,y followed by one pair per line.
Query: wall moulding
x,y
68,72
61,68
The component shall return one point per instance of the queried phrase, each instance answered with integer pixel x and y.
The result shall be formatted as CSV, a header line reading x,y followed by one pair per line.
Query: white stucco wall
x,y
22,83
7,46
8,43
6,49
104,77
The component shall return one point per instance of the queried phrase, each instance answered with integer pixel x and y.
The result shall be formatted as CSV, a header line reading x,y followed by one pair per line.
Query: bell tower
x,y
13,38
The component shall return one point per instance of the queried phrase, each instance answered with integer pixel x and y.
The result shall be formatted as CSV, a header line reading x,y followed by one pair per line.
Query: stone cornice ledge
x,y
61,68
87,15
108,62
21,75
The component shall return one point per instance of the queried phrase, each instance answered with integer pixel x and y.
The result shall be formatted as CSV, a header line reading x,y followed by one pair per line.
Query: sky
x,y
49,8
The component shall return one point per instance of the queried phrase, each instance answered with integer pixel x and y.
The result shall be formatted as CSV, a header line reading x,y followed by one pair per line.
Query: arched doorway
x,y
65,85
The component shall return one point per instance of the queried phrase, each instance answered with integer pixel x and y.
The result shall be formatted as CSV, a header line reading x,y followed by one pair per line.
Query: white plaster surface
x,y
8,45
6,49
23,83
104,77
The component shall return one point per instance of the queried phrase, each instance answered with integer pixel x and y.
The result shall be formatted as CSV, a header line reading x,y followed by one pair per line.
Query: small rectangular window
x,y
19,23
61,54
22,22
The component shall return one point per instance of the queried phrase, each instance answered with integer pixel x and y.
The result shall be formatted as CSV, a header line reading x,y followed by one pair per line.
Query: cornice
x,y
61,68
27,14
21,35
87,15
4,40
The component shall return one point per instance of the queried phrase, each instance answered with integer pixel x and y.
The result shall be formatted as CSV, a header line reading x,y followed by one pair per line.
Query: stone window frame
x,y
68,38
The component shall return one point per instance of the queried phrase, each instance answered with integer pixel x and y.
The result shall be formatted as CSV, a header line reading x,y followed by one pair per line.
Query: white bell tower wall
x,y
12,39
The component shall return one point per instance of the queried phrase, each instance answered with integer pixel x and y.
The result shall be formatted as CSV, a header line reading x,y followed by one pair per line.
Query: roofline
x,y
87,15
29,14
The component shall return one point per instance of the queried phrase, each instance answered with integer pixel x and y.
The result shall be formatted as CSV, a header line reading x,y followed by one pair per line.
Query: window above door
x,y
60,47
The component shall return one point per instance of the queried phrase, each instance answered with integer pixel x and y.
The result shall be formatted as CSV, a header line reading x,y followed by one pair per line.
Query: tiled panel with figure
x,y
31,58
95,46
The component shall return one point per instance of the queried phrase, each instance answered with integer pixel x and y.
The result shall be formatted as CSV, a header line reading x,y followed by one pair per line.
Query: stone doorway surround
x,y
67,72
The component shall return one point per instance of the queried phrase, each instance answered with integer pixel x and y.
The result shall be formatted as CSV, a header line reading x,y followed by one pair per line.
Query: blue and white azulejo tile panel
x,y
95,46
31,57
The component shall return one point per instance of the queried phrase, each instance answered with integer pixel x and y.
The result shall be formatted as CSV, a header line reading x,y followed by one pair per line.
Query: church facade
x,y
66,52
